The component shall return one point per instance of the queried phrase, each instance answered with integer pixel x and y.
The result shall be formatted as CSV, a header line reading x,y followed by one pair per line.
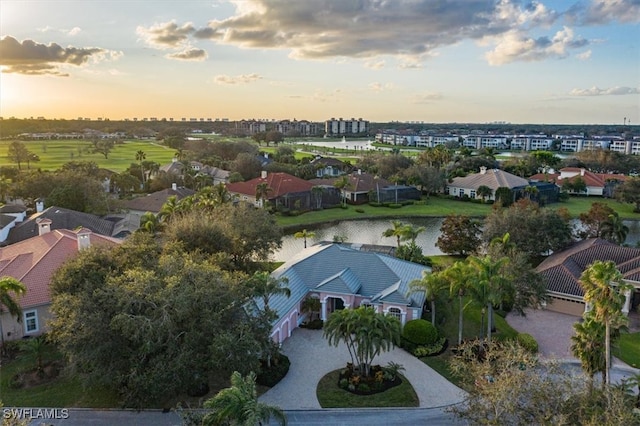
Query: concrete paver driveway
x,y
311,358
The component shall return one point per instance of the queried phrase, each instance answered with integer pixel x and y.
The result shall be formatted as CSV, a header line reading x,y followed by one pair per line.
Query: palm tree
x,y
169,208
10,285
397,230
483,192
265,285
140,157
458,276
531,191
238,405
432,284
587,344
311,305
317,192
605,290
149,223
614,229
304,234
262,193
36,348
489,285
342,184
411,232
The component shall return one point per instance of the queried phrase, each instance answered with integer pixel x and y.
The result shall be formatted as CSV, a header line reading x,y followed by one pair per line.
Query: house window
x,y
30,322
396,313
472,194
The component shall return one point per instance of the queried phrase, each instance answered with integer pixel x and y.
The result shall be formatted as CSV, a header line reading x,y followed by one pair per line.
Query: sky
x,y
436,61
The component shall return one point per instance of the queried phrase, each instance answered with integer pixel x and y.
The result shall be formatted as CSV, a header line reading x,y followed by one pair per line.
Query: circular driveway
x,y
312,358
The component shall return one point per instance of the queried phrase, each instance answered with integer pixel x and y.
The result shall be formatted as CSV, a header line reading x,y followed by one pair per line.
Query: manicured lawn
x,y
64,391
54,153
330,395
628,349
577,205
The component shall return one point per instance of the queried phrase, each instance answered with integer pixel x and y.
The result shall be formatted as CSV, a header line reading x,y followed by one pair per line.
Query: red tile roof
x,y
591,179
280,184
33,261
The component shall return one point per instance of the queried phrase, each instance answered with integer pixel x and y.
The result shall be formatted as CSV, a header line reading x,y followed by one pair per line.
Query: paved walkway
x,y
311,358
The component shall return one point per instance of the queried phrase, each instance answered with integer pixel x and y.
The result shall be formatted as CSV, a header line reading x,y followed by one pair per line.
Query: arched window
x,y
395,312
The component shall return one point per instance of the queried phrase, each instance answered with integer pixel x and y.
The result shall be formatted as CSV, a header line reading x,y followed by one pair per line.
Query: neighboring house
x,y
359,187
177,168
327,167
562,273
284,190
62,218
33,263
10,215
492,178
153,202
343,277
601,184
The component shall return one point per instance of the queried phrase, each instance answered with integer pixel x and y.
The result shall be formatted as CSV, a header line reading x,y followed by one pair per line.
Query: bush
x,y
375,204
316,324
528,342
433,349
363,387
271,376
359,210
420,332
344,383
394,206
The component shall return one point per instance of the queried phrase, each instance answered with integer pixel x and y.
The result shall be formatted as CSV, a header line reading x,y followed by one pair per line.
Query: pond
x,y
370,232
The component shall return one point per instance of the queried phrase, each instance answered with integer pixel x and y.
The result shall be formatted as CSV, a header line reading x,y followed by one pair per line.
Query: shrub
x,y
528,342
316,324
359,210
432,349
394,206
420,332
420,203
374,204
271,376
344,383
363,387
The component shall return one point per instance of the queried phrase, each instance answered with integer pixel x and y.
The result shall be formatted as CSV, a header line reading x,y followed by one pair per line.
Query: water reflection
x,y
370,232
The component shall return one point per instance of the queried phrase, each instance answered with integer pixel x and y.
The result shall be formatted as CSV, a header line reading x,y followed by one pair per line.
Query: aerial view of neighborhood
x,y
256,212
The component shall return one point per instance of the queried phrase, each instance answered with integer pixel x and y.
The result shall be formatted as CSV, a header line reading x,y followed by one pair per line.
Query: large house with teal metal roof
x,y
343,277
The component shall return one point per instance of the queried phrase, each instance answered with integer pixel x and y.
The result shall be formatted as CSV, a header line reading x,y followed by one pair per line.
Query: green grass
x,y
330,395
65,391
628,349
576,205
54,153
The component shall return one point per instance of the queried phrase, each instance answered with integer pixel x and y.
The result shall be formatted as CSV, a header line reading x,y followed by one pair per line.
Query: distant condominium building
x,y
485,141
295,127
531,142
630,147
341,127
251,127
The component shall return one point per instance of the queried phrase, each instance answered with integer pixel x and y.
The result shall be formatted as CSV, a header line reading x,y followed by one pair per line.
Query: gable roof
x,y
280,184
33,261
334,268
61,218
358,182
153,202
562,270
493,178
591,179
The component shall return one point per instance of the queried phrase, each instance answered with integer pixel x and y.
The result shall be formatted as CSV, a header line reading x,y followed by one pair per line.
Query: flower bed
x,y
379,380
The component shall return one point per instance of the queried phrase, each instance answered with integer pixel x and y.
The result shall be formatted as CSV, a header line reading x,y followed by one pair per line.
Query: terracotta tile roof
x,y
562,270
33,261
153,202
591,179
493,178
280,184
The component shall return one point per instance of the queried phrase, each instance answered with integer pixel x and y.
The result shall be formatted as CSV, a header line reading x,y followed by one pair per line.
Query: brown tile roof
x,y
280,184
562,270
34,261
358,182
153,202
493,178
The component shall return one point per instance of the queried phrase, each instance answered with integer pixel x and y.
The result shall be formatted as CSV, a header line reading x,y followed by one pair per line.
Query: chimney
x,y
44,226
581,172
483,170
84,238
39,205
174,186
359,171
174,160
263,175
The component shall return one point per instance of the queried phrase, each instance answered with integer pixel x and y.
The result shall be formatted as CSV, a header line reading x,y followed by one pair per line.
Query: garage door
x,y
565,306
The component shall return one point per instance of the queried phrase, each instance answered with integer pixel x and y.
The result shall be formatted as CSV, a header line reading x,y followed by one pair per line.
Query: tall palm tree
x,y
264,285
587,344
458,277
317,192
605,290
411,232
614,229
398,230
140,157
262,193
432,284
342,183
489,285
238,405
10,285
304,234
149,223
169,209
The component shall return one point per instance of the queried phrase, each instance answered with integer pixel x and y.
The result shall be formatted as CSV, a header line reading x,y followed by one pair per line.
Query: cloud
x,y
517,46
70,32
31,58
380,87
74,31
596,91
374,65
599,12
584,55
166,35
191,54
426,97
238,79
323,29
